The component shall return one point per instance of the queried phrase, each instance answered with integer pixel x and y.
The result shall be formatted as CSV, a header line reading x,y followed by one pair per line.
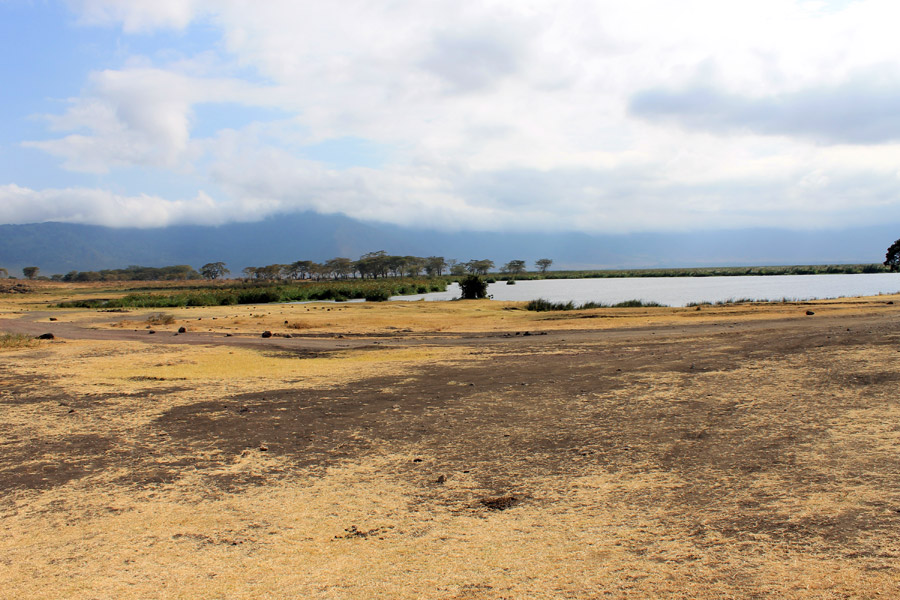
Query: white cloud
x,y
100,207
511,114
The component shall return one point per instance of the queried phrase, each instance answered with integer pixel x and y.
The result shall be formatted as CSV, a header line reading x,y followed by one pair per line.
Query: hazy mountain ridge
x,y
63,247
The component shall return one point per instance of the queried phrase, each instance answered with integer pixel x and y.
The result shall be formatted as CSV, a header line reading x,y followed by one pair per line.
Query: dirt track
x,y
724,459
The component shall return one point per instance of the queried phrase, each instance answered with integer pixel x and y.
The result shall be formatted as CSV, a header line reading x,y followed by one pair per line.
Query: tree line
x,y
374,265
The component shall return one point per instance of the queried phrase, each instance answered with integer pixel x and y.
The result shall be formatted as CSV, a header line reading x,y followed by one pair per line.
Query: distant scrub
x,y
541,305
716,272
338,291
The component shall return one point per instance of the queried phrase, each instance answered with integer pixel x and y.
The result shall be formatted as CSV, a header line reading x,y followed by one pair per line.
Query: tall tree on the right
x,y
892,258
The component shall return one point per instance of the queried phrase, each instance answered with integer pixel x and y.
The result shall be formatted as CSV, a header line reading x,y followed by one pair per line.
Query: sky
x,y
596,116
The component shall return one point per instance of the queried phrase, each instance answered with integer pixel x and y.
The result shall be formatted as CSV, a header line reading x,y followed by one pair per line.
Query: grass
x,y
542,305
16,341
370,290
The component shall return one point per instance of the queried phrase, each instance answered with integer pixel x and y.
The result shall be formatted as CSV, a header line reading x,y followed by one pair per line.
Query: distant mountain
x,y
62,247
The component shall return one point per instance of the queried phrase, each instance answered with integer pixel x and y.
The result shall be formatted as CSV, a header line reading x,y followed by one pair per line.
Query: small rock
x,y
46,336
182,330
810,313
151,331
441,479
417,460
54,318
263,448
287,335
267,334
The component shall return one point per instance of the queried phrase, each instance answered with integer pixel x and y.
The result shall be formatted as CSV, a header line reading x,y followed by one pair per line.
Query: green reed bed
x,y
542,305
338,291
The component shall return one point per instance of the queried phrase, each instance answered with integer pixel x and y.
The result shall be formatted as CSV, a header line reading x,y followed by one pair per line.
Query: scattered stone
x,y
267,334
287,335
46,336
441,479
54,318
182,330
810,313
526,333
227,335
152,331
263,448
417,460
500,502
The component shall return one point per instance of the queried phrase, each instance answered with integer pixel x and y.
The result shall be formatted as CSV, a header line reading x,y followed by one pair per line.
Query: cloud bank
x,y
596,116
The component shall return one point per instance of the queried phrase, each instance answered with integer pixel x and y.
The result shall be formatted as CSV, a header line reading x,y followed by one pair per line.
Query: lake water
x,y
679,291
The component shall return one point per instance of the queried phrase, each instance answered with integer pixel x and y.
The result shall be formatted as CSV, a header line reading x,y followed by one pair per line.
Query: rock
x,y
810,313
151,331
441,479
287,335
46,336
182,330
54,318
263,448
266,334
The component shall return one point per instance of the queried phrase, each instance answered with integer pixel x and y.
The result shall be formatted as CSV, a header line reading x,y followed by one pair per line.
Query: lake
x,y
680,291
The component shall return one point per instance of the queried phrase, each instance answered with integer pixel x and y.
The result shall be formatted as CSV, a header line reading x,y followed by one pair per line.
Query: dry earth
x,y
467,450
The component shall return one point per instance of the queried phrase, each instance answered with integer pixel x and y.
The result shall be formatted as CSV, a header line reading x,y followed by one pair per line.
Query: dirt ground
x,y
462,450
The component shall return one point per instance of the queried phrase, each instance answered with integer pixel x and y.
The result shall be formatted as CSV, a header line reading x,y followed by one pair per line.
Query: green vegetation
x,y
135,273
542,305
473,287
30,272
371,290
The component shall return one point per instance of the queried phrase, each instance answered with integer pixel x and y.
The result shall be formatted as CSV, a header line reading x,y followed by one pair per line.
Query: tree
x,y
480,267
3,273
214,270
473,287
514,267
892,258
435,265
30,272
543,264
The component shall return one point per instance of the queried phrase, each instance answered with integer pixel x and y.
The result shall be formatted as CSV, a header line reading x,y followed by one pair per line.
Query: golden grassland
x,y
703,466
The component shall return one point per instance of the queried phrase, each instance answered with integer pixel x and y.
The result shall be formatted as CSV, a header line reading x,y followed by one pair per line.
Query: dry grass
x,y
16,341
757,474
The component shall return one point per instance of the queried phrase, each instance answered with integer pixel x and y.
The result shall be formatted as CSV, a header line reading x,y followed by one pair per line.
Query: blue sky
x,y
569,115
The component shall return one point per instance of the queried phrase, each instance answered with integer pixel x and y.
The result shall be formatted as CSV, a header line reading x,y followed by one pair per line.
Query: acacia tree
x,y
435,265
3,273
479,267
30,272
214,270
514,267
543,264
892,258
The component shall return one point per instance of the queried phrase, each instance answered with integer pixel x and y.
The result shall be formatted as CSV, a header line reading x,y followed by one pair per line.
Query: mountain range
x,y
64,247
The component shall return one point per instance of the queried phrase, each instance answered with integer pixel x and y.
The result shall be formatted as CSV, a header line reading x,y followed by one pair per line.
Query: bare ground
x,y
728,458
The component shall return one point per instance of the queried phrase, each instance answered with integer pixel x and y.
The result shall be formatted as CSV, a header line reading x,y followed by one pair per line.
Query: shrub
x,y
160,319
473,287
377,295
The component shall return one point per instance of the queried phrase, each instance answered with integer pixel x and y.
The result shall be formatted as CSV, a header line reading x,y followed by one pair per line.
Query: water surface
x,y
680,291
